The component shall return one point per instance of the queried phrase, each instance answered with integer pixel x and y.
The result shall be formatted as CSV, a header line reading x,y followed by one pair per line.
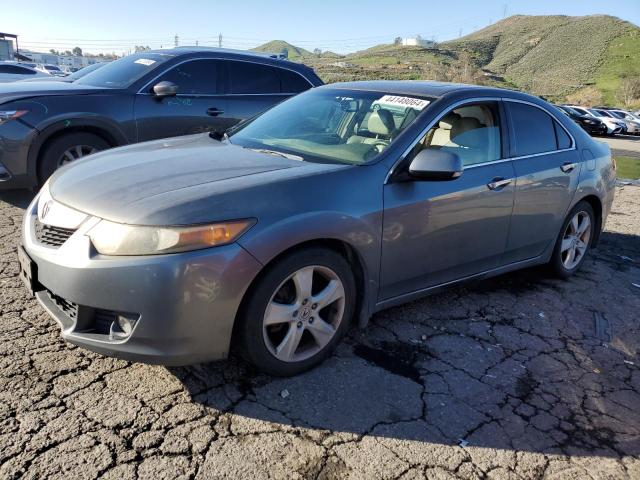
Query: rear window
x,y
534,130
292,82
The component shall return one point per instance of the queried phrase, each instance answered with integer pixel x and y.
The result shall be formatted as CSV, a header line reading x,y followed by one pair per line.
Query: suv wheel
x,y
297,312
574,240
66,149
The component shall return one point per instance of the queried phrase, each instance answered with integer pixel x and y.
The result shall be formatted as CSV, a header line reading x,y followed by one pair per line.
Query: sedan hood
x,y
22,90
182,180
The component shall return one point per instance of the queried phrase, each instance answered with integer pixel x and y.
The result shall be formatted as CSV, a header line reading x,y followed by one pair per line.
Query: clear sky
x,y
338,25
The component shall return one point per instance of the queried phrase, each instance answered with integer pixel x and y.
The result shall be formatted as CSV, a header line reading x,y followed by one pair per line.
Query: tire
x,y
259,343
53,157
561,263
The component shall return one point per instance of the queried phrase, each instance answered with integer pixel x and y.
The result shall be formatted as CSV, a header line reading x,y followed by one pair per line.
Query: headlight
x,y
6,115
111,238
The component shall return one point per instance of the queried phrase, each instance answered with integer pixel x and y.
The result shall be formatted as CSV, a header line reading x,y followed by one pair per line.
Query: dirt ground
x,y
521,376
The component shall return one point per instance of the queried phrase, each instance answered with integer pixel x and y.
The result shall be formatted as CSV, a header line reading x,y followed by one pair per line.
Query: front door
x,y
199,106
444,230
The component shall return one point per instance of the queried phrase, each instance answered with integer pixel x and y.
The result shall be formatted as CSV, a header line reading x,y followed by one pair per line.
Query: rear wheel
x,y
574,240
297,312
67,149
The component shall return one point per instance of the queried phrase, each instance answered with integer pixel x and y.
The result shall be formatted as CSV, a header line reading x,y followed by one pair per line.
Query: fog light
x,y
122,326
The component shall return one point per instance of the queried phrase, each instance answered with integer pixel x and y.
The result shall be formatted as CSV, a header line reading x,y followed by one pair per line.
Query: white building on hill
x,y
418,41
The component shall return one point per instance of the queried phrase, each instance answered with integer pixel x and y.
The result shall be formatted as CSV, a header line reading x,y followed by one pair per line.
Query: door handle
x,y
214,112
498,182
568,167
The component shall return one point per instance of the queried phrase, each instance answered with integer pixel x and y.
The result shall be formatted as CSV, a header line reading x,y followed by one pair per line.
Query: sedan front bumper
x,y
184,305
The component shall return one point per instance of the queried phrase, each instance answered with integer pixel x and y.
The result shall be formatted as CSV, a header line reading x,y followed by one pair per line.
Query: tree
x,y
54,52
77,51
141,48
317,51
397,41
629,91
587,96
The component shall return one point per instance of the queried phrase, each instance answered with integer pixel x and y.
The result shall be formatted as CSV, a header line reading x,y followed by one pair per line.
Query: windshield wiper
x,y
275,152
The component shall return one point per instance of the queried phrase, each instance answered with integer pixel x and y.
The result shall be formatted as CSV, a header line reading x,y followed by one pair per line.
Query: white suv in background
x,y
632,121
614,127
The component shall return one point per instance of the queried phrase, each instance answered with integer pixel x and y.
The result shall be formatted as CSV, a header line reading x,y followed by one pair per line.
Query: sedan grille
x,y
69,308
50,235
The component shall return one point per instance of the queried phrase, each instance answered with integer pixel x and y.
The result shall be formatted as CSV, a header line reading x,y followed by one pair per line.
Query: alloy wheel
x,y
304,313
74,153
575,240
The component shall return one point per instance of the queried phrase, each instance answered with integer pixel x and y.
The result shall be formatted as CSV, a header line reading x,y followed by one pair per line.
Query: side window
x,y
534,131
247,78
562,138
197,77
292,82
470,131
16,69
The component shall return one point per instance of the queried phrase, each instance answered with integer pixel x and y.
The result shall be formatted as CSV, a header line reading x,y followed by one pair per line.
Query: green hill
x,y
557,55
277,46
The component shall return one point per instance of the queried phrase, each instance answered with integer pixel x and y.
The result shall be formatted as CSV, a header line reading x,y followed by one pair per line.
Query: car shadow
x,y
520,362
17,198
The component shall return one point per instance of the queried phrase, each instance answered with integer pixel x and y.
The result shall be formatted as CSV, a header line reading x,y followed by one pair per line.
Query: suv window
x,y
292,82
197,77
247,78
534,131
471,131
16,69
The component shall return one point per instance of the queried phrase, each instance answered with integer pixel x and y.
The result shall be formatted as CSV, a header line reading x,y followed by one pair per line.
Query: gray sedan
x,y
271,239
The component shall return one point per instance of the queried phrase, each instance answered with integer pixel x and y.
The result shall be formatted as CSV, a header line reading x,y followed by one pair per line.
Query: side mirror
x,y
435,165
165,89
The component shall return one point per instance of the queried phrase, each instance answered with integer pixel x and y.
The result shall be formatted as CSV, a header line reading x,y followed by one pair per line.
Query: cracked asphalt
x,y
521,376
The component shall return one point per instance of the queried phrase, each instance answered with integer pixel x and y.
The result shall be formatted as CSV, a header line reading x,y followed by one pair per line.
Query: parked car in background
x,y
144,96
590,124
51,70
338,203
604,114
614,126
632,122
69,78
12,72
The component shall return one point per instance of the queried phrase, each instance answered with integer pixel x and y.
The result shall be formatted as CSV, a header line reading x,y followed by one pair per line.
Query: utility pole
x,y
505,10
220,41
196,43
175,40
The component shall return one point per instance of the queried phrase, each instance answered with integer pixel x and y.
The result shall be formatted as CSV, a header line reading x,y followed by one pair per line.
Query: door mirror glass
x,y
431,164
165,89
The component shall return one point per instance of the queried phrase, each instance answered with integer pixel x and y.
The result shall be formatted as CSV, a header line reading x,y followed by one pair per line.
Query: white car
x,y
632,121
51,70
614,127
12,72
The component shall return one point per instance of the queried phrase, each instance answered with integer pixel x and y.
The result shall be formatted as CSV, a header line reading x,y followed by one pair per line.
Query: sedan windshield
x,y
123,72
331,125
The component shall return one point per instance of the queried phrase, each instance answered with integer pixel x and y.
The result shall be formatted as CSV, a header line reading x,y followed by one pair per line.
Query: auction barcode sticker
x,y
145,61
399,101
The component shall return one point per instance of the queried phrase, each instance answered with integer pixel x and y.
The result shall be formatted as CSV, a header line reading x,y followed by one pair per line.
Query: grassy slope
x,y
621,59
553,55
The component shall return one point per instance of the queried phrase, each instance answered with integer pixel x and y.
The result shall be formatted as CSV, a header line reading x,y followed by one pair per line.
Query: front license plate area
x,y
28,270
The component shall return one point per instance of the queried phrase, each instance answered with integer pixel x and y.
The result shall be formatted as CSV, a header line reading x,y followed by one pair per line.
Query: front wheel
x,y
297,312
573,241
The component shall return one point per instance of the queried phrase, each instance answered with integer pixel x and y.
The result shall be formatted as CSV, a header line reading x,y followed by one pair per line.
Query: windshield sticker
x,y
145,61
416,103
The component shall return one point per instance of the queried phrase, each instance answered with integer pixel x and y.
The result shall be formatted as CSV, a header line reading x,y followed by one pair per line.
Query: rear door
x,y
255,87
444,230
198,107
547,168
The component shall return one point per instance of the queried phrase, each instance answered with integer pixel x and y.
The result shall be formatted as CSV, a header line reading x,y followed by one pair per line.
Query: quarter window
x,y
534,130
562,138
471,131
197,77
252,78
292,82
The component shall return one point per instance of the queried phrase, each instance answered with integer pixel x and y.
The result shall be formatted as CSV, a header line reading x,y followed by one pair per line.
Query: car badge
x,y
45,209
